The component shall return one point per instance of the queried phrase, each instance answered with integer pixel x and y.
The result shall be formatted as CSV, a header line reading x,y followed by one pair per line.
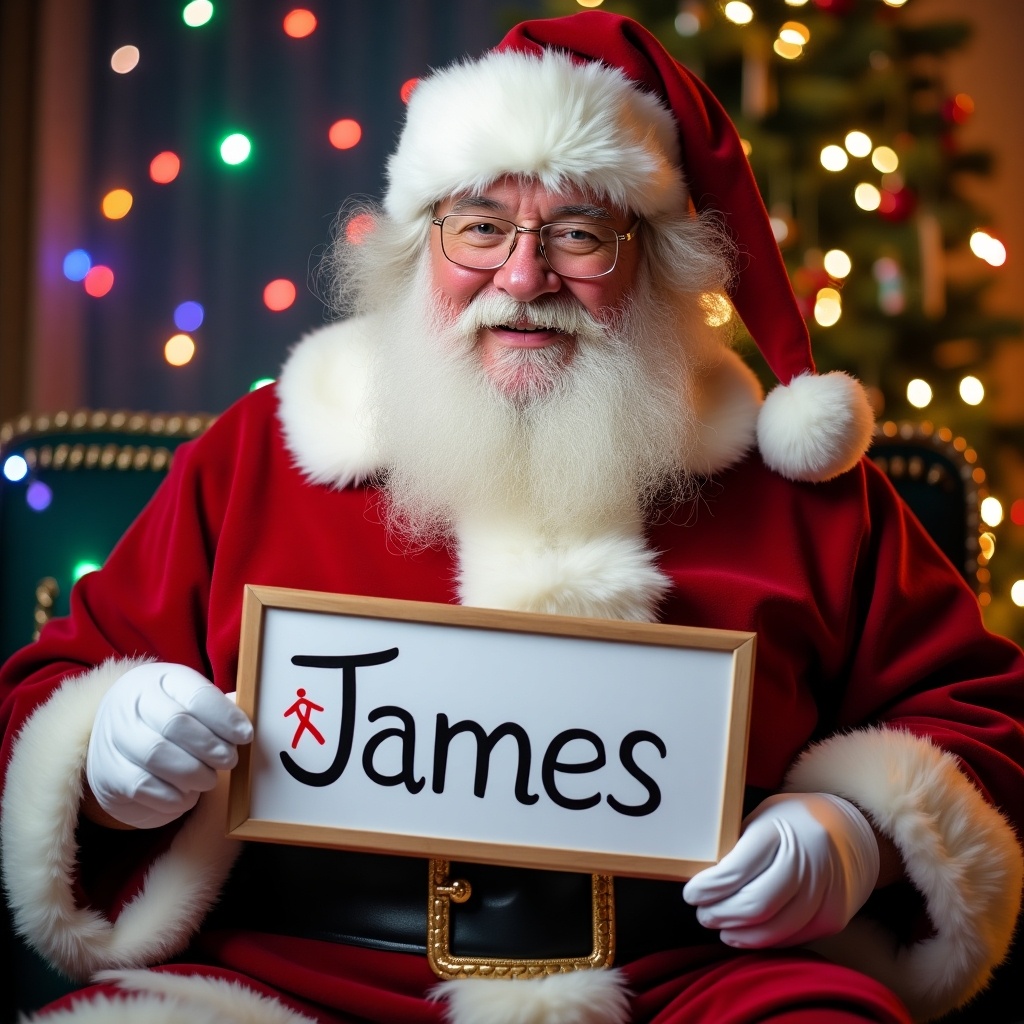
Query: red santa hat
x,y
594,99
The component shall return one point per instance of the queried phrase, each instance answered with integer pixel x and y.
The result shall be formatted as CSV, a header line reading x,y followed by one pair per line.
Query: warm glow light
x,y
894,3
738,12
279,294
837,264
15,468
345,134
987,545
99,281
359,227
116,203
795,3
164,167
987,248
866,196
124,59
299,23
717,308
787,50
972,391
795,32
780,229
991,511
857,144
746,147
77,264
590,3
407,87
827,308
235,149
885,159
919,393
1017,593
687,24
179,349
197,13
834,158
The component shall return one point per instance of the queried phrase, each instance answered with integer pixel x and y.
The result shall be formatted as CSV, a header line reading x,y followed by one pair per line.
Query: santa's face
x,y
503,348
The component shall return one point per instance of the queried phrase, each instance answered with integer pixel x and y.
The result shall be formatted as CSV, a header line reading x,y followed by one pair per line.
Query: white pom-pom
x,y
816,427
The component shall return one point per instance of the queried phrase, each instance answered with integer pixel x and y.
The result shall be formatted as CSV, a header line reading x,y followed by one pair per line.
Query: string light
x,y
788,51
82,568
164,167
837,264
1017,512
987,248
991,511
857,144
827,307
834,158
77,264
279,294
179,349
972,391
235,148
299,23
885,159
867,196
188,316
98,281
590,3
987,545
197,13
38,496
262,382
407,87
919,393
124,59
738,12
795,32
15,468
116,203
345,134
1017,593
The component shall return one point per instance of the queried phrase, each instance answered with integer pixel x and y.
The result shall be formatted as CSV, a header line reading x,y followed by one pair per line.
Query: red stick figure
x,y
303,708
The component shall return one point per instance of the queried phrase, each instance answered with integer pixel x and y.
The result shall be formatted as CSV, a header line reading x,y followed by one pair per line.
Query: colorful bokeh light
x,y
124,59
38,496
262,382
299,23
164,167
359,227
235,148
407,87
15,468
197,13
279,294
86,565
77,264
179,349
99,281
188,316
116,203
345,134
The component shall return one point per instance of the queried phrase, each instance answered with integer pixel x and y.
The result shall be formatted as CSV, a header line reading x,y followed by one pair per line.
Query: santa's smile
x,y
525,335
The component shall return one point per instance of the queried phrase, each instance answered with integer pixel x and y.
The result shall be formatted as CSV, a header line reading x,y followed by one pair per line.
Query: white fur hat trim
x,y
546,117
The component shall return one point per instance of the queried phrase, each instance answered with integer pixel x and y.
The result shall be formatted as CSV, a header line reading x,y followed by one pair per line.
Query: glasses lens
x,y
580,250
482,243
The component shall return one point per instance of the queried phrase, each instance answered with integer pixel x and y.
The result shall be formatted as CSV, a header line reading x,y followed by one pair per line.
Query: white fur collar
x,y
327,423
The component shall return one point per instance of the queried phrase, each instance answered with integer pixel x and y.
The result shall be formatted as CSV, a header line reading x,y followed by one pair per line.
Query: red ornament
x,y
897,206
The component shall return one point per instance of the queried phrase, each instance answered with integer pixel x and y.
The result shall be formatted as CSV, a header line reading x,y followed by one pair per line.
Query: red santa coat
x,y
875,679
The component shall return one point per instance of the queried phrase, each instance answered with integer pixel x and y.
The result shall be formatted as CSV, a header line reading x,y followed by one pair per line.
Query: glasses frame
x,y
628,236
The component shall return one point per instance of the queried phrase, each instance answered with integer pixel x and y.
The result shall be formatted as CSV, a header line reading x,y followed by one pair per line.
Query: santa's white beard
x,y
578,446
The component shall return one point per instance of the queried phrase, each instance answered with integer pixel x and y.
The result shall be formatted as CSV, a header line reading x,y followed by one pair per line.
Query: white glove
x,y
161,733
803,866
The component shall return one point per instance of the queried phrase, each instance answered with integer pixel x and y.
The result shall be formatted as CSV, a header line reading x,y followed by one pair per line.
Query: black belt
x,y
380,902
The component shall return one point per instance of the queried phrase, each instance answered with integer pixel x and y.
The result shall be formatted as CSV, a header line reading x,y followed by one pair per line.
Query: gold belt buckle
x,y
441,892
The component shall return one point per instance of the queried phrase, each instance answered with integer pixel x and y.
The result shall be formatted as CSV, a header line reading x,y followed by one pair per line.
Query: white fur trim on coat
x,y
612,576
158,997
959,852
542,116
42,798
584,997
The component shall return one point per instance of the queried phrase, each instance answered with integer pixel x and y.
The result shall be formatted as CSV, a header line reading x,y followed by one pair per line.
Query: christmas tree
x,y
852,133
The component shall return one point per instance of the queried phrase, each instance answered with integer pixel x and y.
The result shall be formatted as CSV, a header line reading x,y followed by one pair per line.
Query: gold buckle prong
x,y
445,964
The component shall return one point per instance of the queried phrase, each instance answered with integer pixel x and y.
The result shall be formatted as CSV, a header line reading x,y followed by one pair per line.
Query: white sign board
x,y
463,733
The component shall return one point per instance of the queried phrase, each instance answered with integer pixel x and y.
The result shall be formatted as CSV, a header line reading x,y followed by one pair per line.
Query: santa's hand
x,y
803,866
161,733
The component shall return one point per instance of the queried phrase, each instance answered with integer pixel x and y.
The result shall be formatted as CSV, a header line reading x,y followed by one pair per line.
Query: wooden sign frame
x,y
680,696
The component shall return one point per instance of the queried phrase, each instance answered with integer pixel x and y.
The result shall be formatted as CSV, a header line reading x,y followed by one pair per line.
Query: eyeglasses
x,y
571,249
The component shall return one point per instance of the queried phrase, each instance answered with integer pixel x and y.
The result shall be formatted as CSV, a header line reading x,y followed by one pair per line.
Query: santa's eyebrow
x,y
498,208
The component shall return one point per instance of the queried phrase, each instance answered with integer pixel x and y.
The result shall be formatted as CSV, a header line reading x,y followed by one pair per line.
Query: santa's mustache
x,y
564,315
